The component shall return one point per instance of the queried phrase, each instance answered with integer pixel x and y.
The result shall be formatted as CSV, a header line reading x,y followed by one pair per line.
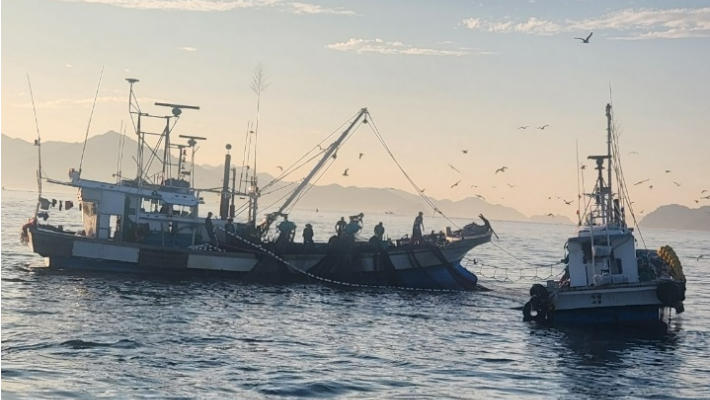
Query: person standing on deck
x,y
379,231
210,228
418,228
308,235
230,231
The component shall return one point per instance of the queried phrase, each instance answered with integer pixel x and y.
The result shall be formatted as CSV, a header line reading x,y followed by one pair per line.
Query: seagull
x,y
360,156
668,171
346,172
697,201
650,187
703,191
455,184
542,127
474,186
706,197
641,212
550,215
480,197
423,190
320,148
567,202
501,169
583,167
280,167
640,182
524,127
585,40
464,151
454,168
512,186
676,183
316,210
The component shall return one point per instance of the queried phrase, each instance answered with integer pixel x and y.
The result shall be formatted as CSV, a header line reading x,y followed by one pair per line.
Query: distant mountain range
x,y
19,161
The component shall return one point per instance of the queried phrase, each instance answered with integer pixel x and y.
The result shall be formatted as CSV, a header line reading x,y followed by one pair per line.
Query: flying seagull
x,y
464,151
668,171
512,186
474,186
567,202
703,191
361,154
676,183
346,172
640,182
650,186
542,127
454,168
455,184
481,197
583,167
316,210
524,127
587,39
280,167
550,215
501,169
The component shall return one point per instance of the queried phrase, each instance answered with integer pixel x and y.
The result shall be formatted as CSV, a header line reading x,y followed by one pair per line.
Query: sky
x,y
437,78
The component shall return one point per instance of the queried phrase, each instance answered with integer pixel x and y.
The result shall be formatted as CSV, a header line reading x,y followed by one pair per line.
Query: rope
x,y
333,281
86,137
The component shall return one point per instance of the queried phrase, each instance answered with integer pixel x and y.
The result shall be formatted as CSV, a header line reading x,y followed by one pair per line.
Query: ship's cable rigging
x,y
38,143
86,137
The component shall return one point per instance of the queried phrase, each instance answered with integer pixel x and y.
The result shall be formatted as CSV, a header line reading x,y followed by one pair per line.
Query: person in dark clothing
x,y
379,231
418,228
340,226
308,235
210,228
287,230
230,232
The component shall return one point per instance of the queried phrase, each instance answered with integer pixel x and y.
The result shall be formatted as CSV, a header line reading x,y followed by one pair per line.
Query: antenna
x,y
176,110
192,142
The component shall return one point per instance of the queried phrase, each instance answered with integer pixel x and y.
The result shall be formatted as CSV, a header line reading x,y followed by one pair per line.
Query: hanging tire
x,y
668,294
539,291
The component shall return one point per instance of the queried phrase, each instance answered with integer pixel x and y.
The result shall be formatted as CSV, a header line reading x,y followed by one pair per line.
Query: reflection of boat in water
x,y
607,280
153,226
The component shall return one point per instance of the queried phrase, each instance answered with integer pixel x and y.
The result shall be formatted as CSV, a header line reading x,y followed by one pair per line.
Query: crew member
x,y
418,228
340,226
210,228
308,235
379,231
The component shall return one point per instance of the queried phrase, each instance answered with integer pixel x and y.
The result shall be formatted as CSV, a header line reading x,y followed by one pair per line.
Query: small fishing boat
x,y
607,281
153,225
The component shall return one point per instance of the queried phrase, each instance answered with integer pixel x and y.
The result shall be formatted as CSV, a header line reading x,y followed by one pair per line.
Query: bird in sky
x,y
346,172
703,191
676,183
360,156
697,201
650,186
454,168
464,151
481,197
640,182
583,167
668,171
335,155
501,169
567,202
511,186
319,146
587,39
474,186
550,215
280,167
706,197
524,127
455,184
423,190
542,127
641,212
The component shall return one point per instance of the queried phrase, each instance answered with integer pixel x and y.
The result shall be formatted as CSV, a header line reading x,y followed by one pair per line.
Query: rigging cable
x,y
86,137
38,143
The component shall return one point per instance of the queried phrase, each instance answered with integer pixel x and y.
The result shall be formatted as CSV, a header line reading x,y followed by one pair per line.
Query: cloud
x,y
380,46
628,24
218,5
190,49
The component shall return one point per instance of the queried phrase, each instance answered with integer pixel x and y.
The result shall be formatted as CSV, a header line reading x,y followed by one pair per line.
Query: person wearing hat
x,y
308,235
418,228
210,228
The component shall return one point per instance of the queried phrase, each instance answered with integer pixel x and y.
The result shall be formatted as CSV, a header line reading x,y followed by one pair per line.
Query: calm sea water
x,y
77,335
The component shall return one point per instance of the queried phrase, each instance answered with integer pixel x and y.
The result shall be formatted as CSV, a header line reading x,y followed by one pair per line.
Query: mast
x,y
610,205
328,153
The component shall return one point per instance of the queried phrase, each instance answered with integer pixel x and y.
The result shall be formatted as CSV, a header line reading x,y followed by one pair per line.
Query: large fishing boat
x,y
607,280
152,224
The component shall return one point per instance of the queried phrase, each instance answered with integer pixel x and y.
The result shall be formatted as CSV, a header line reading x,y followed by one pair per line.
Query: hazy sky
x,y
437,76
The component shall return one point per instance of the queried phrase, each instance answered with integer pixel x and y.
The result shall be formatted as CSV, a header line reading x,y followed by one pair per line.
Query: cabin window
x,y
619,269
